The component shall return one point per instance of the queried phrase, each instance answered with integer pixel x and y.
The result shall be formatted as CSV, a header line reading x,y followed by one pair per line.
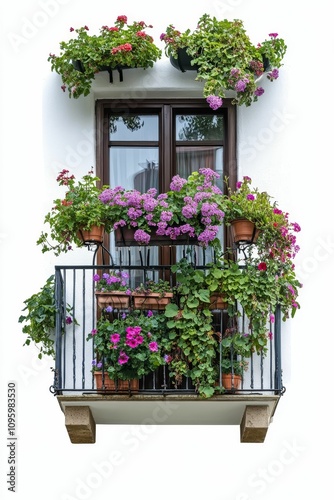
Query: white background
x,y
285,145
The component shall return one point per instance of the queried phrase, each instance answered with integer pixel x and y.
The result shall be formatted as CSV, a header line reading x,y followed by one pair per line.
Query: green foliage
x,y
236,348
225,56
190,344
149,286
119,46
40,319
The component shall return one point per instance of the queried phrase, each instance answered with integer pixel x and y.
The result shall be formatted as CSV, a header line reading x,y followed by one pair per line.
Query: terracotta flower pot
x,y
93,236
217,301
117,300
244,231
151,301
107,384
231,381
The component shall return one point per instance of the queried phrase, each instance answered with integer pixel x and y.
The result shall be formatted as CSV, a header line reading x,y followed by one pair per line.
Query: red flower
x,y
262,266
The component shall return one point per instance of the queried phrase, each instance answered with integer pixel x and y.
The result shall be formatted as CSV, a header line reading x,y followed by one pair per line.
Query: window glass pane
x,y
134,168
134,127
199,127
191,158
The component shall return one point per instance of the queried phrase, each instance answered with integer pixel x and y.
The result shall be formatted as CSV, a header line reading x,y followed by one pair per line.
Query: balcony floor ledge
x,y
252,412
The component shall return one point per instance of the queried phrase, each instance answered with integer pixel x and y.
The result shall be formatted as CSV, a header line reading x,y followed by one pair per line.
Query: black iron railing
x,y
74,354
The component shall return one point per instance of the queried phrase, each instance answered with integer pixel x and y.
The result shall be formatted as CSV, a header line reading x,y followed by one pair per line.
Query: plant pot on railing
x,y
150,301
94,236
115,299
183,61
231,381
217,301
244,231
104,383
124,237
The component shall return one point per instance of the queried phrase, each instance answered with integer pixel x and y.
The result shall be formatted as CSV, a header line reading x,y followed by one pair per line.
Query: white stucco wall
x,y
284,145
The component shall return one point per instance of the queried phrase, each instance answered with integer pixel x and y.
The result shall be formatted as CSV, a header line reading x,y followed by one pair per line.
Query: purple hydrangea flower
x,y
214,101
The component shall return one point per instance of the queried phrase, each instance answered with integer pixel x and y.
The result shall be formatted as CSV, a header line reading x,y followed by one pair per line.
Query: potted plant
x,y
79,210
191,210
236,348
225,58
128,347
253,214
112,290
119,46
40,319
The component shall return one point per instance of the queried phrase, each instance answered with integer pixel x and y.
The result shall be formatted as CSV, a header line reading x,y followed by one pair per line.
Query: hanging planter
x,y
78,65
91,236
244,231
225,58
114,48
183,61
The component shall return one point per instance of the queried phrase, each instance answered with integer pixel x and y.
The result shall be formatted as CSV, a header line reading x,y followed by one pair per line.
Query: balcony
x,y
158,401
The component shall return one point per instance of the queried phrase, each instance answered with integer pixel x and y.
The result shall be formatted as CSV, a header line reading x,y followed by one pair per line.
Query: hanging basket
x,y
244,231
183,61
94,236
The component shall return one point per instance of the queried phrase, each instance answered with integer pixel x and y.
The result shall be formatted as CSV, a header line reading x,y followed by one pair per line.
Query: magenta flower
x,y
115,338
123,358
153,346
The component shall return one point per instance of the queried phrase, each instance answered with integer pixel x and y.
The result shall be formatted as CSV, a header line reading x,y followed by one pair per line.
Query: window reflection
x,y
199,127
132,127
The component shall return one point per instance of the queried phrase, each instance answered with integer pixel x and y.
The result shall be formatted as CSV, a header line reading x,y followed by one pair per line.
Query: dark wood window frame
x,y
165,108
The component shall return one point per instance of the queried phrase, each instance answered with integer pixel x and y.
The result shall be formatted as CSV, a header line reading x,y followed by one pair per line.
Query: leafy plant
x,y
190,346
236,348
79,209
40,319
225,58
160,287
118,46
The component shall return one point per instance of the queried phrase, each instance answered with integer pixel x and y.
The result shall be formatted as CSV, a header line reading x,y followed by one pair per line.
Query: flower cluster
x,y
128,347
118,46
226,59
192,207
113,281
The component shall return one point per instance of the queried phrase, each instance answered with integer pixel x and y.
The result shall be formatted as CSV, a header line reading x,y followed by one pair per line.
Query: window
x,y
144,144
